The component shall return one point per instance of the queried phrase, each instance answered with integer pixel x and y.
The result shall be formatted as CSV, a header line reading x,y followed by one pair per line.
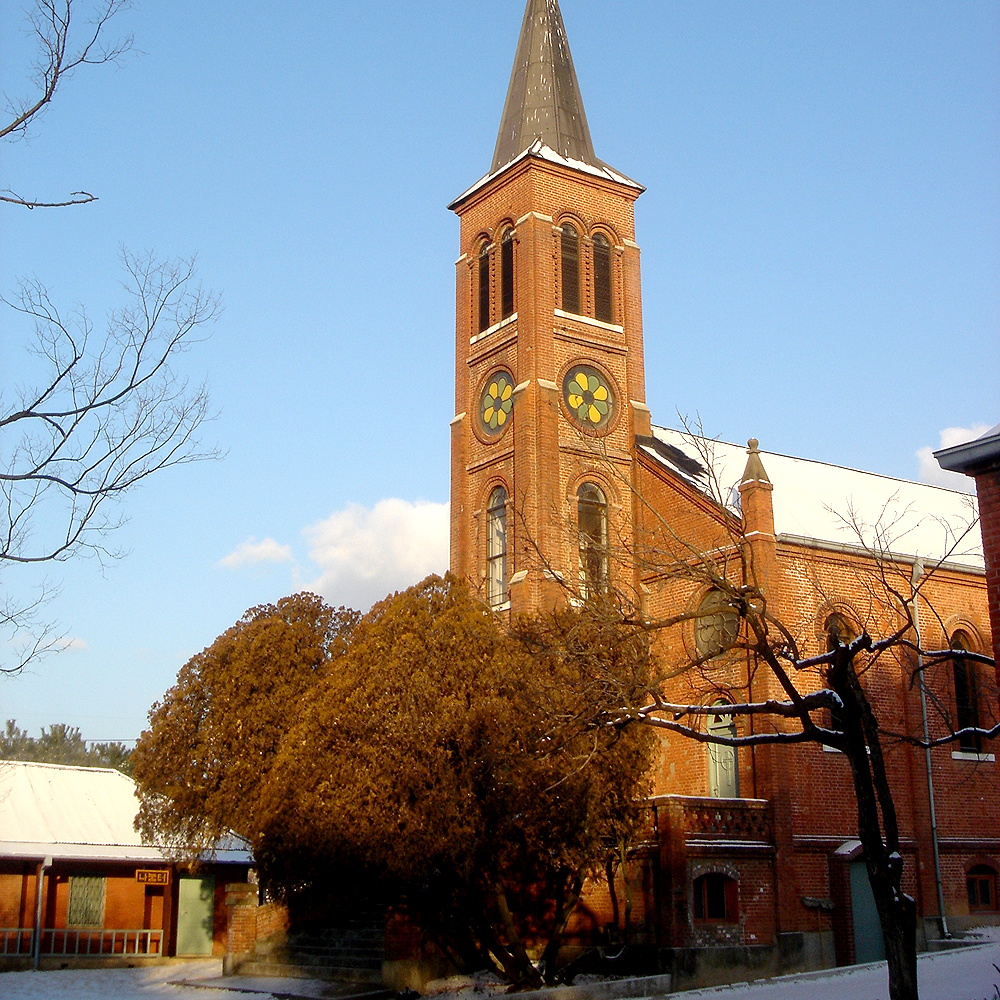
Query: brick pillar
x,y
241,925
758,521
988,491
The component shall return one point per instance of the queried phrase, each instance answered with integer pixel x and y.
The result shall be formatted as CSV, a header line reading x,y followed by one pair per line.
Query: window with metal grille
x,y
484,287
717,626
966,694
86,901
496,556
507,274
570,269
602,279
716,899
592,512
981,884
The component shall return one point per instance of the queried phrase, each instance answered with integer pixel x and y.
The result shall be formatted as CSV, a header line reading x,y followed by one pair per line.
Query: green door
x,y
195,907
868,943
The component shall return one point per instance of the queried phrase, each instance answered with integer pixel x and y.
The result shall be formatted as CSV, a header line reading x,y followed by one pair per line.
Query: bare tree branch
x,y
109,412
60,51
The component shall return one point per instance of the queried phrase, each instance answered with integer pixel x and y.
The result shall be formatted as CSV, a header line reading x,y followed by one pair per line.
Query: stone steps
x,y
366,977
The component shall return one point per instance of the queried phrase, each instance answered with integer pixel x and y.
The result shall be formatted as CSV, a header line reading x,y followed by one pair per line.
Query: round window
x,y
496,403
588,397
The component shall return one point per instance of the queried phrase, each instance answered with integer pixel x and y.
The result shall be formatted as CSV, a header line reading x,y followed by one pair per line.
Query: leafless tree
x,y
97,413
817,698
61,49
107,412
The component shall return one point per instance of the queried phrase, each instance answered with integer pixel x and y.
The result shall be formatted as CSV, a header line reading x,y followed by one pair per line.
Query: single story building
x,y
76,880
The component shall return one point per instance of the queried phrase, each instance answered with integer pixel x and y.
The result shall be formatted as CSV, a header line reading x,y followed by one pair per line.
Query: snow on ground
x,y
967,974
155,982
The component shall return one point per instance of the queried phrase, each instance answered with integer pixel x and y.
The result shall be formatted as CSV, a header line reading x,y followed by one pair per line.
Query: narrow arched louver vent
x,y
507,274
484,287
602,279
570,270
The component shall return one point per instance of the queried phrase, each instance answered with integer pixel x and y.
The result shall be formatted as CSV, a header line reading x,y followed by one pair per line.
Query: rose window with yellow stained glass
x,y
496,403
588,397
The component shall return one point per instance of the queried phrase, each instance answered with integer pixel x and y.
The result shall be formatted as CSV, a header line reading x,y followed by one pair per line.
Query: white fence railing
x,y
73,941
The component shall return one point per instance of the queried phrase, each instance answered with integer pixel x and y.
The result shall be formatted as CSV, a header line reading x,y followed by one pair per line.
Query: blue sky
x,y
820,261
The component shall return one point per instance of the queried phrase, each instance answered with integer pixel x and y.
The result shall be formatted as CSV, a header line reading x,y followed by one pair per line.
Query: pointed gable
x,y
543,99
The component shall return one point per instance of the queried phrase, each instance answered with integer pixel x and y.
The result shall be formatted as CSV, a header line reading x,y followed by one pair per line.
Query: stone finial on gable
x,y
754,472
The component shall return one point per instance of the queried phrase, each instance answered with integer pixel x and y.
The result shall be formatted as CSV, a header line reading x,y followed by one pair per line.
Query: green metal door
x,y
868,943
195,906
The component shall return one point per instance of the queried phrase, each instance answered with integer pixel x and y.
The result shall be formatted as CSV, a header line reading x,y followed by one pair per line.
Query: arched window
x,y
717,624
981,884
602,279
723,762
484,287
570,269
507,274
496,554
838,633
592,512
966,694
716,899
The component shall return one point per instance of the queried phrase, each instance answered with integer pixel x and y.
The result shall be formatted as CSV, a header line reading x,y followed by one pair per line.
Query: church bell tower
x,y
549,380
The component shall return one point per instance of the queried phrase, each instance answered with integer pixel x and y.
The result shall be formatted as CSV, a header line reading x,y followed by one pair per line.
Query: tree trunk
x,y
521,971
563,912
896,911
609,870
622,860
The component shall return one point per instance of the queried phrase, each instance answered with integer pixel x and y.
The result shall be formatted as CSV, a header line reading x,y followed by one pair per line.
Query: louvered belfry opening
x,y
570,269
484,287
602,279
507,274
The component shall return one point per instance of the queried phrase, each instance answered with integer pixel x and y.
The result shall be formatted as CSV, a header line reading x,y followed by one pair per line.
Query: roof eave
x,y
972,457
545,154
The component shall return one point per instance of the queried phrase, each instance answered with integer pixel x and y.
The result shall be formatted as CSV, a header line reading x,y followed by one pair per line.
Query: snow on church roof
x,y
812,499
540,151
75,813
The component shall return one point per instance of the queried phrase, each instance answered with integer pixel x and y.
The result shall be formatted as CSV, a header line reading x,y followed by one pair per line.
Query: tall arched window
x,y
838,633
723,762
484,287
966,694
570,269
602,279
507,274
592,512
496,543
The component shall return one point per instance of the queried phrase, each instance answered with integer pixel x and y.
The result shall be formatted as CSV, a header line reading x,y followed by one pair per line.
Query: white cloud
x,y
365,554
72,642
931,472
253,553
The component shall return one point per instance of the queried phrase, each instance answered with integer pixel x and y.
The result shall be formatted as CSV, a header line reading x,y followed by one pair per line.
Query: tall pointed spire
x,y
543,99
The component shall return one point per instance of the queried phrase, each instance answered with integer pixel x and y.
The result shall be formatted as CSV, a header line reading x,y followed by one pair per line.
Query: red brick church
x,y
554,455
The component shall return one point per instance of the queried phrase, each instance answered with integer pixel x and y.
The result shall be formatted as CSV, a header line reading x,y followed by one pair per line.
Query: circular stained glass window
x,y
588,396
496,403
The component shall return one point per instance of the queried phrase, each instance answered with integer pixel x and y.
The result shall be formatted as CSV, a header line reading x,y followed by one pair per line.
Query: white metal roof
x,y
812,500
83,813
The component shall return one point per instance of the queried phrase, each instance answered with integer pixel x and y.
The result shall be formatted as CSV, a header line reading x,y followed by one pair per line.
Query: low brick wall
x,y
250,925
